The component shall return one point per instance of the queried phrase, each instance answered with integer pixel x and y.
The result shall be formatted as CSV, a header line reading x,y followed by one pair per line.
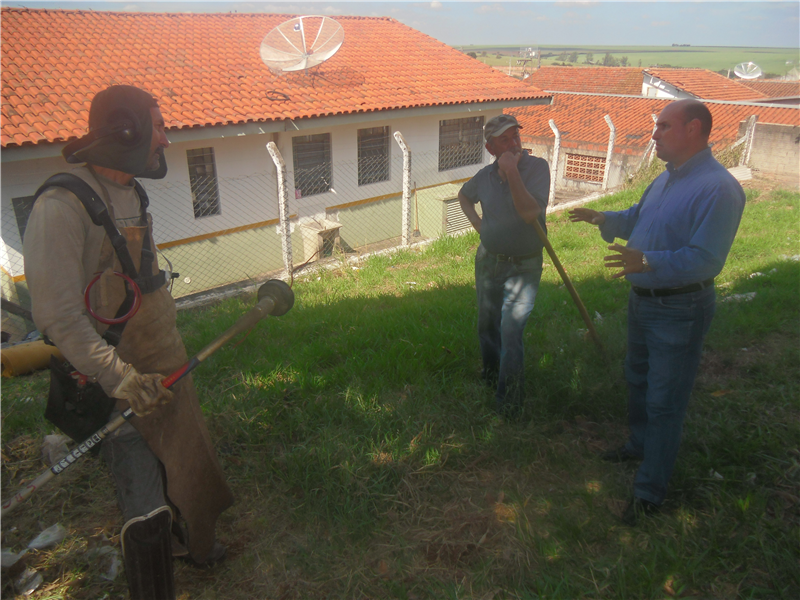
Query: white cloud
x,y
489,8
331,10
436,5
659,23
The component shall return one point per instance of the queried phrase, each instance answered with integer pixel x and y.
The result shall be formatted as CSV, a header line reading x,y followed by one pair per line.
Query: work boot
x,y
637,509
217,555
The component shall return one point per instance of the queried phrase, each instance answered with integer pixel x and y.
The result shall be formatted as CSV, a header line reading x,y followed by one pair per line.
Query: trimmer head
x,y
281,294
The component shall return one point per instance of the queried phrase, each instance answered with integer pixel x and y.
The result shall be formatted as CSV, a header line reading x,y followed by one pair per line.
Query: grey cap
x,y
497,125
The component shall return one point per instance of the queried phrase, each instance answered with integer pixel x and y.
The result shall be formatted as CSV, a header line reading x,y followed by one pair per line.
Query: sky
x,y
715,23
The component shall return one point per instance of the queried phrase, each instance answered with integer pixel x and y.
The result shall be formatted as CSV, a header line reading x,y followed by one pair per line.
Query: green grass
x,y
715,58
367,462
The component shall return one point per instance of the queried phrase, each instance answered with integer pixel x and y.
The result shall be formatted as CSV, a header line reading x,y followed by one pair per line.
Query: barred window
x,y
203,179
22,210
313,170
585,168
373,155
460,142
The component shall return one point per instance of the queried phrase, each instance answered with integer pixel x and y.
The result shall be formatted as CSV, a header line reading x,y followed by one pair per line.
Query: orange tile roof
x,y
205,69
579,118
705,84
600,80
773,88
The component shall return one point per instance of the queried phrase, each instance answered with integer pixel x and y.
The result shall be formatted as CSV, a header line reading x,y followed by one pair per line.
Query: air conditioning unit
x,y
439,211
320,238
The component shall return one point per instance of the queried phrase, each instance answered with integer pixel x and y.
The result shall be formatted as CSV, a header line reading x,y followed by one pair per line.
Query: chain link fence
x,y
221,234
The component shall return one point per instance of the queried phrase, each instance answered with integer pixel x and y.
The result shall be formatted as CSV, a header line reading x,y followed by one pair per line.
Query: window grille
x,y
203,179
585,168
313,171
373,155
460,142
22,210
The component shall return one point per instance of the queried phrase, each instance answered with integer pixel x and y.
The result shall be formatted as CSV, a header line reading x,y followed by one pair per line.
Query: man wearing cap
x,y
95,220
513,193
679,235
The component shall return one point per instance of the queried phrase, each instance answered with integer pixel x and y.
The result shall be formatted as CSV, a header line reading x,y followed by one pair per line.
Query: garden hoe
x,y
274,298
572,291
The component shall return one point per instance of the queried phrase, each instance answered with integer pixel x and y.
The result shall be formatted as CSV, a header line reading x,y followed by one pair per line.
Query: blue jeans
x,y
506,294
665,342
136,470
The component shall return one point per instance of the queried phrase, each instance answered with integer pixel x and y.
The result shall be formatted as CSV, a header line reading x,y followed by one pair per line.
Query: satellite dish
x,y
748,70
301,43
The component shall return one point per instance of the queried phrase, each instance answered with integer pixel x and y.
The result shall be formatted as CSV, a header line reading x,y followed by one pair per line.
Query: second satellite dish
x,y
748,70
301,43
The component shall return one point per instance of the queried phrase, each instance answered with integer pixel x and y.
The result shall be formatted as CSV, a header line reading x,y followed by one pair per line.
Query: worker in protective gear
x,y
170,486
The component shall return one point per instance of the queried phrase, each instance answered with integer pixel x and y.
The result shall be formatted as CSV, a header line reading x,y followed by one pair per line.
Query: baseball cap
x,y
497,125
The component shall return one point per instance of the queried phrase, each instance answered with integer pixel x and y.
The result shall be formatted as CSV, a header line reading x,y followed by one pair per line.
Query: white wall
x,y
247,178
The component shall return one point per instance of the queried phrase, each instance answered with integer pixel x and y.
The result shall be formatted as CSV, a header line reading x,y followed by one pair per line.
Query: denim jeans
x,y
506,294
137,472
665,342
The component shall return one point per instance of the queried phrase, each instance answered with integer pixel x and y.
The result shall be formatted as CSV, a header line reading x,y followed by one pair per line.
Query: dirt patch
x,y
768,182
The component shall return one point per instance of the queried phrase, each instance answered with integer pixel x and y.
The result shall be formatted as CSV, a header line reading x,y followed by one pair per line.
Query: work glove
x,y
143,392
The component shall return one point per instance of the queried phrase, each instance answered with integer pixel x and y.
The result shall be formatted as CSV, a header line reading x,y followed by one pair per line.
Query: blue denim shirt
x,y
684,223
502,229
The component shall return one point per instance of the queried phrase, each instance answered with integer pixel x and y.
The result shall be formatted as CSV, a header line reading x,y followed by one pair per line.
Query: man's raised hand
x,y
586,215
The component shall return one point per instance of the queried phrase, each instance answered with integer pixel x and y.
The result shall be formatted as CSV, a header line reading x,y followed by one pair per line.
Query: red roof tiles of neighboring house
x,y
773,88
205,69
705,84
600,80
579,118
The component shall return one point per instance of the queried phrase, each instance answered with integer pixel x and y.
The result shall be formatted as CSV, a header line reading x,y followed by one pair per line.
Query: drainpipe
x,y
285,227
406,227
554,162
611,139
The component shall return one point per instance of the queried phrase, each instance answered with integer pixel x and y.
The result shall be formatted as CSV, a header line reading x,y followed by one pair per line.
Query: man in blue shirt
x,y
679,235
513,193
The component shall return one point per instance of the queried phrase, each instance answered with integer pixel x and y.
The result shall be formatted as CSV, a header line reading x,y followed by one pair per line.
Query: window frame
x,y
205,200
461,142
303,152
371,155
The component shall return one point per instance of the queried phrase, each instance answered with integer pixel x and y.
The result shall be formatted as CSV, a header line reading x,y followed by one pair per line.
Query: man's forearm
x,y
468,208
526,205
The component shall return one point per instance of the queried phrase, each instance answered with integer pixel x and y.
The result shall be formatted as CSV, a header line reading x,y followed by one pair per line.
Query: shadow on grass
x,y
367,461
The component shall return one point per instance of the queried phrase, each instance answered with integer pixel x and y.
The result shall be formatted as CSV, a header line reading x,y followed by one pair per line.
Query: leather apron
x,y
175,432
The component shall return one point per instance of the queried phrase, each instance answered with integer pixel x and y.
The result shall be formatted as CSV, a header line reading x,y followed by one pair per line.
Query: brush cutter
x,y
274,298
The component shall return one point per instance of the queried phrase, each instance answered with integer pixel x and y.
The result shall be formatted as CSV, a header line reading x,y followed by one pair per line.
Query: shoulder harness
x,y
100,216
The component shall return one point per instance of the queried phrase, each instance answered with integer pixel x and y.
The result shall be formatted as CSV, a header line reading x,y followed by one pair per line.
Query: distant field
x,y
716,58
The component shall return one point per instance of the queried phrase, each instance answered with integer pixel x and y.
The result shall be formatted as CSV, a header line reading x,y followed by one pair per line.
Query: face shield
x,y
120,134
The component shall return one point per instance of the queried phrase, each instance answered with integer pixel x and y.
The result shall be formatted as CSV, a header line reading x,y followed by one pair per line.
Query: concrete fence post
x,y
554,161
406,225
650,146
744,160
285,227
612,137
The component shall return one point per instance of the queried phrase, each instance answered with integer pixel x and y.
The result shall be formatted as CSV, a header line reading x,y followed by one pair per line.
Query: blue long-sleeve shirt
x,y
684,223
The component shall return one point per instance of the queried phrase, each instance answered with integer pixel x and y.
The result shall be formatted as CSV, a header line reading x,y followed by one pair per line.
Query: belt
x,y
514,259
694,287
